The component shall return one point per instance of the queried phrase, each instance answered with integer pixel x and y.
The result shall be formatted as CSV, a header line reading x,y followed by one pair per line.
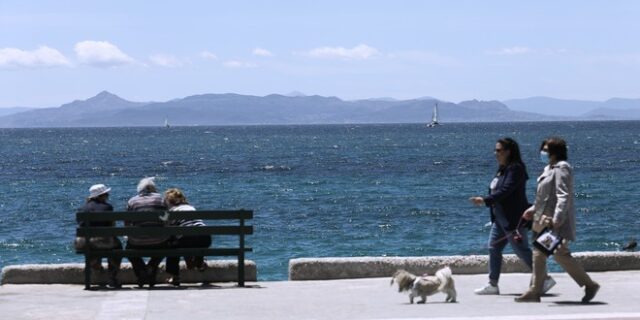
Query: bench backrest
x,y
232,222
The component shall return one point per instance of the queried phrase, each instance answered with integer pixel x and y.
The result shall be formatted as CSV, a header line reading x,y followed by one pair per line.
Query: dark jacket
x,y
94,206
509,198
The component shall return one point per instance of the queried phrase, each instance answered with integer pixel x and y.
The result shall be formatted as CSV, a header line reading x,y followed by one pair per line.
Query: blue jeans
x,y
496,246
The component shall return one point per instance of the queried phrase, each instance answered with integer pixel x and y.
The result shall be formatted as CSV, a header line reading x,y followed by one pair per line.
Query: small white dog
x,y
426,285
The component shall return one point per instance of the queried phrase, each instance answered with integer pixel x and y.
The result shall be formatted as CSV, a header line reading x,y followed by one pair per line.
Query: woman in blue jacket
x,y
507,200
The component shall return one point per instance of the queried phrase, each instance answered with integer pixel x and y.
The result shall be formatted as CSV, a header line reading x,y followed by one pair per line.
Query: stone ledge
x,y
73,273
375,267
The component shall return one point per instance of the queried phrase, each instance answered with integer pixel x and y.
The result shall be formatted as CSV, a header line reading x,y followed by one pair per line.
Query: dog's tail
x,y
444,275
395,275
404,280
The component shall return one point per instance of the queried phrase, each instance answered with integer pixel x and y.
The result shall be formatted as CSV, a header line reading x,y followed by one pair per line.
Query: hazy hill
x,y
616,109
612,109
8,111
107,109
613,114
79,113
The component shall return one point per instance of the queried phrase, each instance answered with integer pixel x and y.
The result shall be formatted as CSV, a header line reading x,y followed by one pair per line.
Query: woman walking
x,y
554,210
507,200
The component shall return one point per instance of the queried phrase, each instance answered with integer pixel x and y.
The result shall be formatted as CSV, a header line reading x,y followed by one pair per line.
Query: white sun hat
x,y
97,190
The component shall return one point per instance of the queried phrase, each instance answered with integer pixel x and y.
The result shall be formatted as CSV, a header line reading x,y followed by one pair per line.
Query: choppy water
x,y
327,190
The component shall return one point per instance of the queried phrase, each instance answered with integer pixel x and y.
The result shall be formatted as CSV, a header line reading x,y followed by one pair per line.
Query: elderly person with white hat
x,y
97,202
147,199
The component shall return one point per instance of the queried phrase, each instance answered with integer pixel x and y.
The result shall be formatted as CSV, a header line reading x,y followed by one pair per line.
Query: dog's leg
x,y
451,296
411,297
424,299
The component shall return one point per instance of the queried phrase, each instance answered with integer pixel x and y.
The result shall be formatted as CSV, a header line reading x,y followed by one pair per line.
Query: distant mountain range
x,y
8,111
107,110
612,109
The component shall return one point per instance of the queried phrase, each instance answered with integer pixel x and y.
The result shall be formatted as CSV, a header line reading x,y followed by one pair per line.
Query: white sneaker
x,y
548,284
487,290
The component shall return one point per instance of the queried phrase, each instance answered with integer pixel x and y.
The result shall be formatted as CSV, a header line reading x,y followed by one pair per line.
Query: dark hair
x,y
514,152
557,147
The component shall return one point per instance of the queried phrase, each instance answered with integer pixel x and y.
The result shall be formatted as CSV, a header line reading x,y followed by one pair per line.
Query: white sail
x,y
434,117
166,123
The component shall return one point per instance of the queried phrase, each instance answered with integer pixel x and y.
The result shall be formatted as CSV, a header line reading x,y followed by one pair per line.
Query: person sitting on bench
x,y
97,202
148,199
175,200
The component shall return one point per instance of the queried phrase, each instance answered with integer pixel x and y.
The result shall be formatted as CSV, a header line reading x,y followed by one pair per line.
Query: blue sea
x,y
316,190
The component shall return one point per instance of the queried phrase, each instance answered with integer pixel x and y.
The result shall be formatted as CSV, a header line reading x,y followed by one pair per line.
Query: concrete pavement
x,y
335,299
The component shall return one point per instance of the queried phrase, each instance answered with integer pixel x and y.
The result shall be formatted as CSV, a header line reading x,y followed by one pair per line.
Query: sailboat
x,y
166,123
434,118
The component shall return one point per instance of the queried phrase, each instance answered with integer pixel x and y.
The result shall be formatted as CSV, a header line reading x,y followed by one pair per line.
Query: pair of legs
x,y
146,273
113,264
519,242
102,243
173,263
497,242
569,264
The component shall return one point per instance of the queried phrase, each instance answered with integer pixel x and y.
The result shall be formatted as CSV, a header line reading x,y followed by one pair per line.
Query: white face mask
x,y
544,156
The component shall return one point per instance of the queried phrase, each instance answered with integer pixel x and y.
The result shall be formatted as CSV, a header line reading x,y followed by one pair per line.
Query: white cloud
x,y
41,57
165,60
101,54
208,55
239,64
510,51
262,52
359,52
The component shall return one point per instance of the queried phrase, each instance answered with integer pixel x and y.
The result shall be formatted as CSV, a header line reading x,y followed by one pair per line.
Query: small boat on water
x,y
434,118
166,123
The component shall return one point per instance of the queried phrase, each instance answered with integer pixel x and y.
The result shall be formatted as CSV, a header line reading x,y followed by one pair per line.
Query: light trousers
x,y
565,260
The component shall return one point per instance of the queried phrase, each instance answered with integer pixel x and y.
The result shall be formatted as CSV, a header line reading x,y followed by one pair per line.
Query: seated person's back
x,y
147,199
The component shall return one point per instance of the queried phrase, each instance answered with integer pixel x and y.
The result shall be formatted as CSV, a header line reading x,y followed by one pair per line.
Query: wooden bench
x,y
231,223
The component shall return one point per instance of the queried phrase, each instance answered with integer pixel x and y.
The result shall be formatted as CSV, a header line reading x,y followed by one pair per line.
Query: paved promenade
x,y
336,299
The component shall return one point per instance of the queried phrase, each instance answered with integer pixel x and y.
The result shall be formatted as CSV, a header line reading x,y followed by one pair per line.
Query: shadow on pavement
x,y
578,303
167,287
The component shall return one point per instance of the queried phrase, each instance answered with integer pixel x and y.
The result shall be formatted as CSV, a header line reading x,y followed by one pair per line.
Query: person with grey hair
x,y
147,199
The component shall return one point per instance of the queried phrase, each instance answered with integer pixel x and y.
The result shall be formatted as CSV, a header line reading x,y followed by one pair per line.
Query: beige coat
x,y
555,199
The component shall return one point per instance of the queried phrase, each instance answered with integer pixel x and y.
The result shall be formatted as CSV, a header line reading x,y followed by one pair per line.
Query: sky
x,y
54,52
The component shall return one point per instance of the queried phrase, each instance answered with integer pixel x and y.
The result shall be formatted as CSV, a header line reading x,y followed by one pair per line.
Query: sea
x,y
380,190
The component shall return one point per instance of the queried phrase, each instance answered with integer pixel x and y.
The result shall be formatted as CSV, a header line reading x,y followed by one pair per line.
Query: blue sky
x,y
52,52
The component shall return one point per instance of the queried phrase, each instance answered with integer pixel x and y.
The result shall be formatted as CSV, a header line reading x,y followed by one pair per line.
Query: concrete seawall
x,y
374,267
314,268
73,273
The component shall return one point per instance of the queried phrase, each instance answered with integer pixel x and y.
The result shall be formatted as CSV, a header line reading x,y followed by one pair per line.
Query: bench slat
x,y
162,231
169,215
165,252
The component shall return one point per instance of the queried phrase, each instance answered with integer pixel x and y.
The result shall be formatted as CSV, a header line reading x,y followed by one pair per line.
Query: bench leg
x,y
87,273
241,270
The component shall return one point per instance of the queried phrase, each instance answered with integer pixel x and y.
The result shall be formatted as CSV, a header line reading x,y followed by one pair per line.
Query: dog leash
x,y
516,234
